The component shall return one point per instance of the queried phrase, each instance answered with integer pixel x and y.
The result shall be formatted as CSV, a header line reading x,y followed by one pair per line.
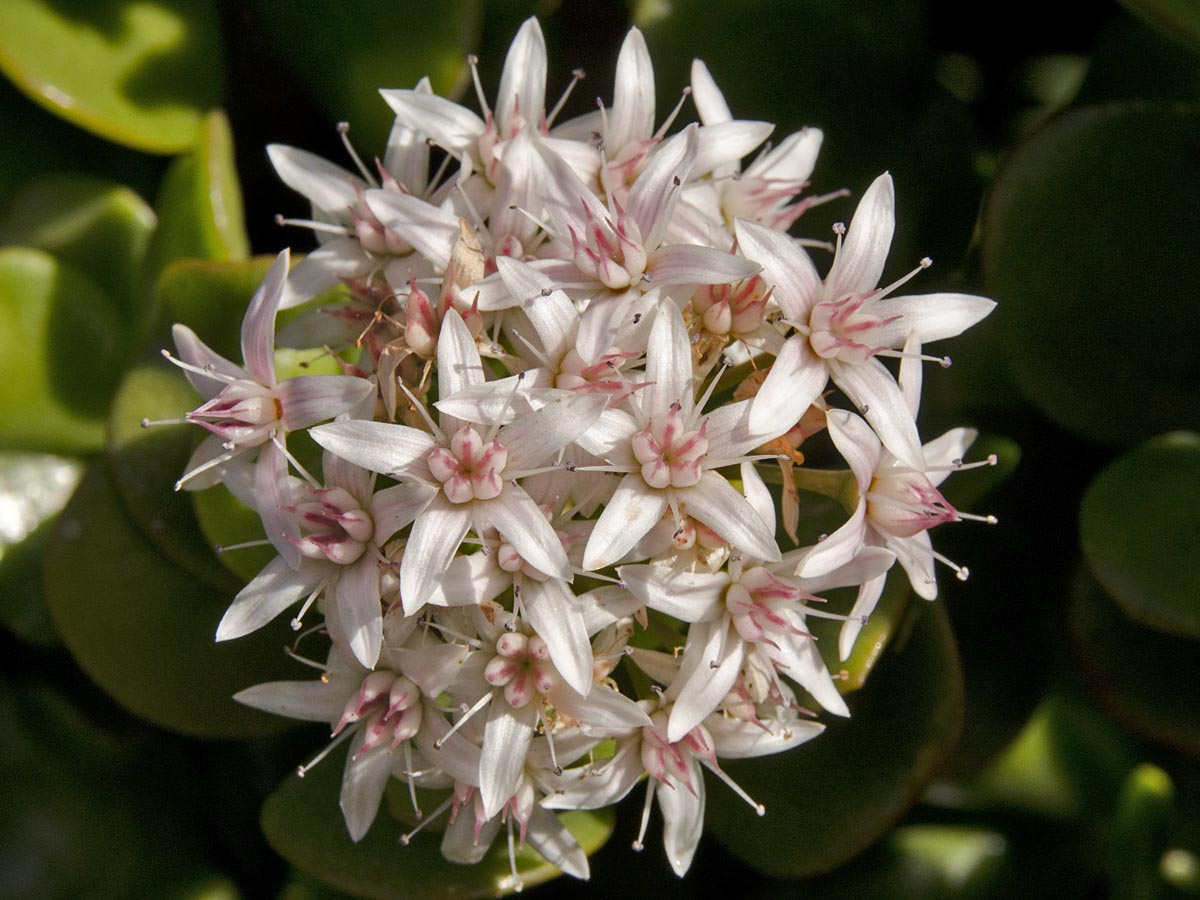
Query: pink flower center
x,y
904,503
611,253
391,705
244,414
670,454
732,308
522,667
757,602
841,329
339,529
469,469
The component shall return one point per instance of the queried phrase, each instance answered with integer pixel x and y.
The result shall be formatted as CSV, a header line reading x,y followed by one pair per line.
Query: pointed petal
x,y
915,554
358,608
268,594
608,437
308,399
272,494
727,142
393,508
683,820
447,124
709,100
379,446
459,365
786,267
555,614
735,739
792,160
433,667
460,844
711,663
604,712
757,495
430,229
632,511
328,187
857,443
714,502
600,322
506,738
632,115
794,381
692,264
944,450
653,196
435,537
803,664
550,311
870,562
550,837
688,596
873,390
523,81
516,516
323,269
195,352
363,782
534,438
864,604
309,701
932,316
469,581
859,262
839,548
603,786
668,364
911,375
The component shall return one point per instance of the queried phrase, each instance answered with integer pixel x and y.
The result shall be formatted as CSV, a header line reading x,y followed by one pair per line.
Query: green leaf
x,y
1178,18
199,204
1135,674
1139,526
436,40
99,227
140,74
885,622
143,629
226,521
834,796
145,464
61,352
304,824
1139,833
33,489
1083,296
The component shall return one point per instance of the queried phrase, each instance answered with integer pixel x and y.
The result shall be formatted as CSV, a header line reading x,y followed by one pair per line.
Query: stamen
x,y
925,263
639,841
424,413
211,464
303,770
304,473
528,345
558,770
206,371
962,573
245,545
577,75
298,622
479,704
944,361
304,660
457,635
712,385
343,130
684,94
473,62
515,881
313,225
147,423
538,222
405,839
734,786
972,517
412,785
438,175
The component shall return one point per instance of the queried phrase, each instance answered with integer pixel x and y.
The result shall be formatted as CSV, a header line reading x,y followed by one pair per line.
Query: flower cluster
x,y
539,538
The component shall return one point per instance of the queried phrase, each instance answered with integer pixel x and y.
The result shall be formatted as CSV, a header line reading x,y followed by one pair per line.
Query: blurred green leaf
x,y
33,489
436,41
885,622
199,204
1139,834
99,227
145,464
1083,297
303,822
61,354
143,629
86,815
830,799
1139,526
1133,61
1140,677
226,521
210,297
140,74
1178,18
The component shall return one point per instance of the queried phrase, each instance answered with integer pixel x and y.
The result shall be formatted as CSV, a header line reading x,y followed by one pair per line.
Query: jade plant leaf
x,y
140,74
304,824
1135,674
831,798
199,204
1139,526
61,354
437,39
142,628
1083,297
1178,18
99,227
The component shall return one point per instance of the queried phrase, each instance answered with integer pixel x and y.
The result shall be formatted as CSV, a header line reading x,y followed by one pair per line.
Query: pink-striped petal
x,y
787,268
435,537
794,381
859,262
631,512
379,446
713,501
873,390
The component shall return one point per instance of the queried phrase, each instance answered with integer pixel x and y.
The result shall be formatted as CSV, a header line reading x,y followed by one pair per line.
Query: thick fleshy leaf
x,y
140,75
862,773
1140,531
1092,358
52,318
199,204
302,822
100,227
1178,18
142,628
210,297
437,40
1126,667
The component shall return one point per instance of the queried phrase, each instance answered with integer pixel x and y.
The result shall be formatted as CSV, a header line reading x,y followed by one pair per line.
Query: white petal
x,y
632,115
271,495
857,443
536,437
551,313
701,686
794,381
691,264
839,548
556,615
506,738
448,124
601,321
268,594
323,269
430,229
757,495
873,390
714,502
308,399
653,196
379,446
523,81
792,160
393,508
433,667
550,837
735,739
604,712
358,608
915,554
310,701
870,562
911,374
864,604
801,662
932,316
668,364
786,267
633,509
363,782
515,515
709,100
605,785
727,142
683,820
462,844
195,352
689,596
458,360
860,261
470,580
944,450
608,437
328,187
432,543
